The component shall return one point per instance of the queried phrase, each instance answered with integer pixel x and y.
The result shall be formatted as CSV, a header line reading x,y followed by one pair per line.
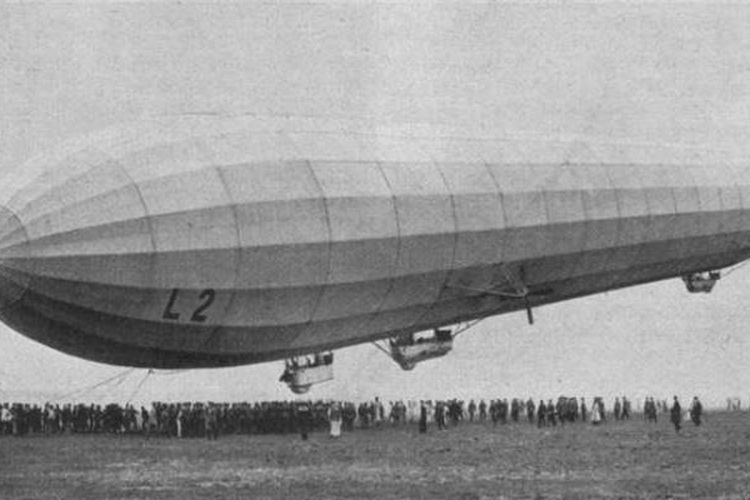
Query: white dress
x,y
335,423
596,415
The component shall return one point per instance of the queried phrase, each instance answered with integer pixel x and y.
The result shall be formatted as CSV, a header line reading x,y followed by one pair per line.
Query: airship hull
x,y
221,247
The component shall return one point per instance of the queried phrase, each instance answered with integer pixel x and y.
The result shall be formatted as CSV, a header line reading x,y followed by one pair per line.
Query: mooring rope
x,y
88,389
140,384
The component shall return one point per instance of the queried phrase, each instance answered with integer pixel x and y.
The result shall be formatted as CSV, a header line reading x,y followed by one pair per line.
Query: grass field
x,y
620,459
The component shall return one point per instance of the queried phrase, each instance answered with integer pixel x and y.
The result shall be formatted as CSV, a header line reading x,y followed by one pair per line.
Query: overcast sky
x,y
625,76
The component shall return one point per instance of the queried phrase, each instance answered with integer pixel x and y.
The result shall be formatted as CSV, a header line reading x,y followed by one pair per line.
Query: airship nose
x,y
14,243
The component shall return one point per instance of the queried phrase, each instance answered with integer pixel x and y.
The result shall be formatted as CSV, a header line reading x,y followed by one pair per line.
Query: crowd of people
x,y
210,420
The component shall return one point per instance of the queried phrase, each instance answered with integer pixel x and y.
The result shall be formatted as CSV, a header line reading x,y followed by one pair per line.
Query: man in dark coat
x,y
696,410
482,411
551,416
530,410
676,415
422,418
584,410
304,417
541,414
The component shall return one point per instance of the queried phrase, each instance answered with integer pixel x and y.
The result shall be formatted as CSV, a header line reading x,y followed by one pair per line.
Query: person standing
x,y
649,409
596,412
541,414
551,413
153,419
530,410
334,419
675,415
503,408
618,408
696,411
437,414
584,410
482,411
6,420
378,412
211,422
625,408
515,410
364,415
422,418
180,420
303,412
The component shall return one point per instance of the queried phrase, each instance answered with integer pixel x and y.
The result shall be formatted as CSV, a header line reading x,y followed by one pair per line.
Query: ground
x,y
620,459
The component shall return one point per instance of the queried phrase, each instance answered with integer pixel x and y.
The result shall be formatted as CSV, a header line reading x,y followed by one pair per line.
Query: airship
x,y
207,241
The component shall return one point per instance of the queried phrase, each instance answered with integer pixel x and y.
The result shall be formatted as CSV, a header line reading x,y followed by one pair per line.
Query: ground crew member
x,y
696,410
541,414
676,415
304,418
584,412
551,417
596,411
625,408
482,411
617,408
530,410
334,418
422,418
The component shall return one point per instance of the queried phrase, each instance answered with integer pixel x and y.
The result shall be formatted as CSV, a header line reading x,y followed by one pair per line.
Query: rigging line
x,y
122,379
140,384
170,372
87,389
381,348
110,390
737,266
468,325
84,390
